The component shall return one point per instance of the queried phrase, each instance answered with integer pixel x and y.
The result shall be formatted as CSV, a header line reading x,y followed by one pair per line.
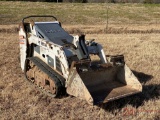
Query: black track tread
x,y
50,72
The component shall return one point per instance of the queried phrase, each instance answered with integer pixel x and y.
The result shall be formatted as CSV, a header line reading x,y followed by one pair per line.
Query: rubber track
x,y
50,72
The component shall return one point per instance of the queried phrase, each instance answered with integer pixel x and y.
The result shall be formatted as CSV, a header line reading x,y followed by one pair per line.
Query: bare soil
x,y
20,100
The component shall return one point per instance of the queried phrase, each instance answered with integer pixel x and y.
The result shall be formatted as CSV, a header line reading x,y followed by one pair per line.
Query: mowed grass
x,y
76,13
19,100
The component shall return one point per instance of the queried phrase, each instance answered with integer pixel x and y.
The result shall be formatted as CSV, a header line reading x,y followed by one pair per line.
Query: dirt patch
x,y
80,29
8,28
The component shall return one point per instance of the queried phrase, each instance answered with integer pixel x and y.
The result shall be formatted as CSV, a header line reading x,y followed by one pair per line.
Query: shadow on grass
x,y
149,92
142,77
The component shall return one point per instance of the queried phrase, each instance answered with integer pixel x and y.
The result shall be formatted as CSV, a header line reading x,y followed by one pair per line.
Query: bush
x,y
36,0
76,1
148,1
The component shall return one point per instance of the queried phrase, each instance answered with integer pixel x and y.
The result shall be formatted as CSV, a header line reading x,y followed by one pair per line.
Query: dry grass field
x,y
140,44
19,100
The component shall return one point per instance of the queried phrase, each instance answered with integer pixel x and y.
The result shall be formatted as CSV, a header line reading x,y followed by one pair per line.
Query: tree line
x,y
93,1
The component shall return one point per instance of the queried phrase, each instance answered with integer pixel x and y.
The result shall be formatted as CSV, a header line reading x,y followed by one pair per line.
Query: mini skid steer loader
x,y
55,61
